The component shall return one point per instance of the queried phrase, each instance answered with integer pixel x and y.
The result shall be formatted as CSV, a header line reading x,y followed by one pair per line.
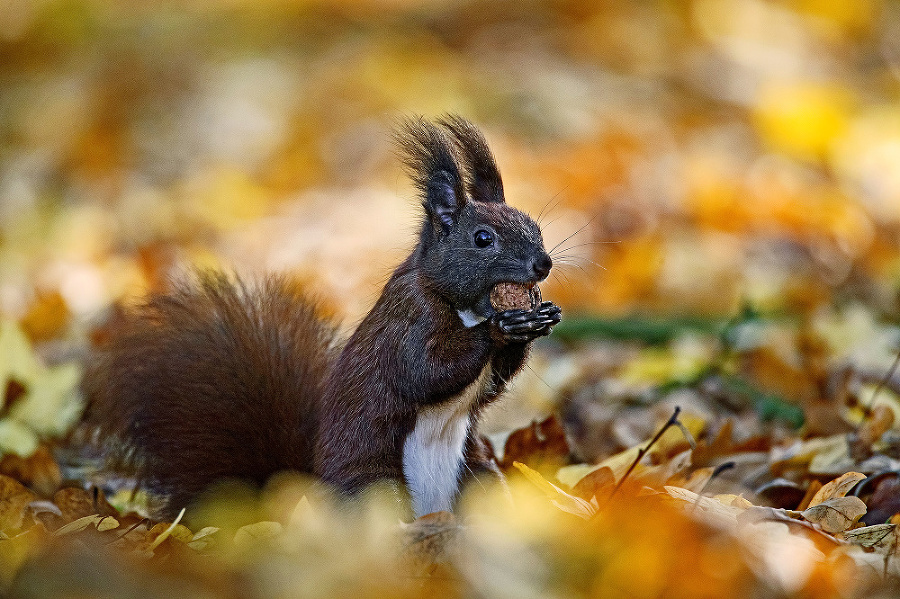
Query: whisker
x,y
539,376
564,276
551,208
583,227
570,261
551,222
582,258
579,267
586,243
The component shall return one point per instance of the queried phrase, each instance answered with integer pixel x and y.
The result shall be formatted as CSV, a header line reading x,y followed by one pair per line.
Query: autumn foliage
x,y
720,178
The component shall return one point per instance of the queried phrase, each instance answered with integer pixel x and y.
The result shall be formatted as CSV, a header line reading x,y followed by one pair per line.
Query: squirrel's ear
x,y
430,160
483,180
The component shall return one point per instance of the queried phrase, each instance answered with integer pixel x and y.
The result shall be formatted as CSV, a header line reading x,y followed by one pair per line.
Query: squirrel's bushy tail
x,y
217,379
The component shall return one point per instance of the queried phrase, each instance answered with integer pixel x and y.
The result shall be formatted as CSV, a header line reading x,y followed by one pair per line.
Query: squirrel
x,y
221,379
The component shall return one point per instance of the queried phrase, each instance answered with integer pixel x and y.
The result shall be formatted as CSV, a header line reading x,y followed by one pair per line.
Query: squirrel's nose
x,y
541,266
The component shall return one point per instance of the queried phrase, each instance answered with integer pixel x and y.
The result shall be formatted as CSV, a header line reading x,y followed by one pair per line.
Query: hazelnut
x,y
514,296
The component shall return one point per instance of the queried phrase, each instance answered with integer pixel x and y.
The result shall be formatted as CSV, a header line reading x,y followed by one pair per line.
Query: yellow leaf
x,y
107,523
17,438
203,538
570,475
78,525
51,404
14,497
166,533
803,119
17,359
248,535
559,498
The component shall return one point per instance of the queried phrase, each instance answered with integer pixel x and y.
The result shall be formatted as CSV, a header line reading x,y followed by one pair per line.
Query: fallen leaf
x,y
429,539
885,499
559,498
836,515
170,529
837,488
75,502
881,537
14,498
811,491
880,420
250,534
540,444
598,484
834,459
47,317
79,525
203,538
38,470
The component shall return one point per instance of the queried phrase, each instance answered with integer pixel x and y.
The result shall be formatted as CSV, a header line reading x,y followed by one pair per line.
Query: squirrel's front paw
x,y
522,326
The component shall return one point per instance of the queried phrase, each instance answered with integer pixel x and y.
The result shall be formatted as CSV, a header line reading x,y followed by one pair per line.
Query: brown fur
x,y
215,380
221,380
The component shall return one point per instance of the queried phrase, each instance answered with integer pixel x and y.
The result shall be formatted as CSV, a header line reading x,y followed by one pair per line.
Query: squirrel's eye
x,y
483,239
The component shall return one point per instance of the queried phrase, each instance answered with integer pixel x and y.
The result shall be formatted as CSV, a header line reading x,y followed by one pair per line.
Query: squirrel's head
x,y
470,238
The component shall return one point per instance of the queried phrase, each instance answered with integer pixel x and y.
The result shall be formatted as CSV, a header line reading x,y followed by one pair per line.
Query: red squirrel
x,y
220,379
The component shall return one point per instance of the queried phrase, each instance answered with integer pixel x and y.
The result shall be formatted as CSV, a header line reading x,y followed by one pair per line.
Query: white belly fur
x,y
433,451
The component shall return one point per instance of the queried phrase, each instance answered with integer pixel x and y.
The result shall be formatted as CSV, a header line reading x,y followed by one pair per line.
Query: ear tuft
x,y
483,180
430,160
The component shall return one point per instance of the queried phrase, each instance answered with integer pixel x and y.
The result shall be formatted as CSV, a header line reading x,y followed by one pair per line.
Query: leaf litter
x,y
767,214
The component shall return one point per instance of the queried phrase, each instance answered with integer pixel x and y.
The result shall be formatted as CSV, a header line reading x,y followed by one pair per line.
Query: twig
x,y
642,451
132,527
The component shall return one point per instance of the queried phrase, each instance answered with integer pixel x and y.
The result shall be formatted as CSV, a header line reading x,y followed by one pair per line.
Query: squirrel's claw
x,y
522,326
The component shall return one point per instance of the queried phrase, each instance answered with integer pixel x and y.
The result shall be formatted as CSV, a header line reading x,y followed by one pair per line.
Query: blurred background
x,y
703,160
724,176
721,151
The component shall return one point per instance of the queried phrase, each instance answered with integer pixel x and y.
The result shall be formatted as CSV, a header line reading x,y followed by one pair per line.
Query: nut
x,y
514,296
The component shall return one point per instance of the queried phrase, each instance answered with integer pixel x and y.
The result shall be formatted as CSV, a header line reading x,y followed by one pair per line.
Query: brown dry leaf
x,y
782,493
429,539
694,481
836,515
721,445
161,532
618,463
598,484
540,444
811,491
47,317
722,511
880,537
769,370
14,498
75,503
837,488
880,420
39,470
